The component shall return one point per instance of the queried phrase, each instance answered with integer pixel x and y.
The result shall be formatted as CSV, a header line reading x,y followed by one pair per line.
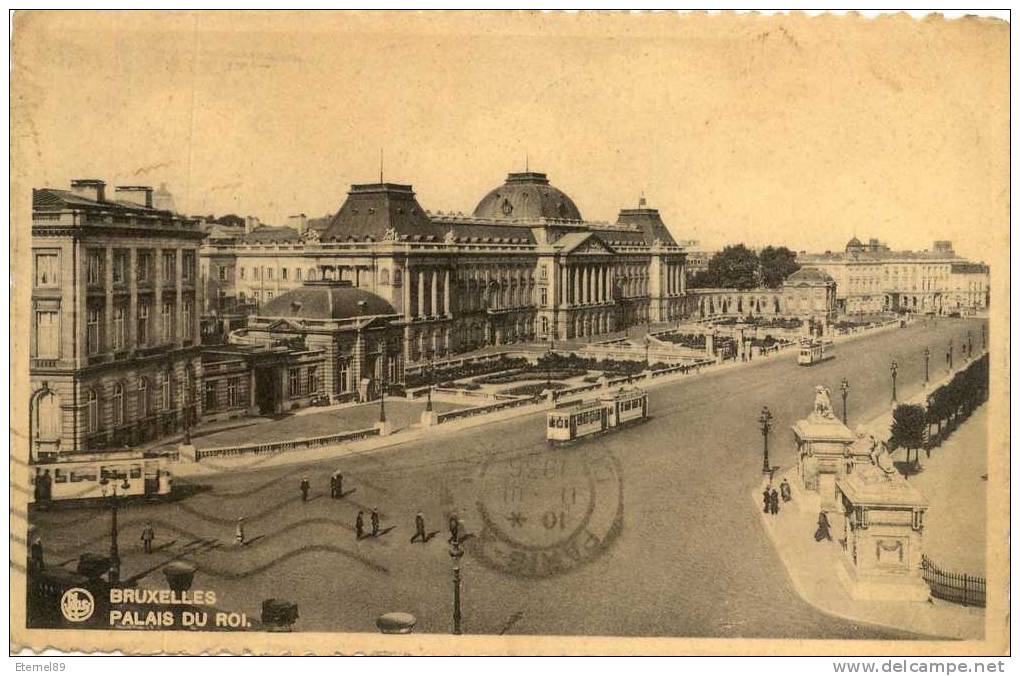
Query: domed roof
x,y
326,300
809,276
854,243
527,196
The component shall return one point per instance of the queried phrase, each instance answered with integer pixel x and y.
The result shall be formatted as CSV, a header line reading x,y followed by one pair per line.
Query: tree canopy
x,y
737,267
777,263
909,426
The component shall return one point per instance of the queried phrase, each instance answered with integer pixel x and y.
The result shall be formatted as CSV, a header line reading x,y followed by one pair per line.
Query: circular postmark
x,y
546,513
77,604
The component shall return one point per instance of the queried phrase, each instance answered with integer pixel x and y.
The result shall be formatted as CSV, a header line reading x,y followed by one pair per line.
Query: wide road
x,y
647,531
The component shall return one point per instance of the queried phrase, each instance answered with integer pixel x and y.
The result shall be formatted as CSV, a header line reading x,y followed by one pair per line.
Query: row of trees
x,y
947,406
737,267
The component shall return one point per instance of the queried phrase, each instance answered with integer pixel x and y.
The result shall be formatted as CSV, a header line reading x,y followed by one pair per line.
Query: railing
x,y
283,446
140,431
967,590
482,410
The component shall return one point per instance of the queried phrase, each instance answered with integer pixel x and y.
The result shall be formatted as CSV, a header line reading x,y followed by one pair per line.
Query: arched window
x,y
144,404
384,277
48,416
396,277
91,411
117,404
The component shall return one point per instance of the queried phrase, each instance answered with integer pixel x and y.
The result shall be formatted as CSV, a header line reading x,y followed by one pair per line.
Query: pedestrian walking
x,y
419,528
332,486
239,532
375,521
774,501
766,498
36,555
339,484
454,525
823,528
784,490
148,535
359,525
305,487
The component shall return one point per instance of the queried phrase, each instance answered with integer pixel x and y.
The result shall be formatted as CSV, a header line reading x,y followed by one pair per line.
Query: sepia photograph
x,y
509,333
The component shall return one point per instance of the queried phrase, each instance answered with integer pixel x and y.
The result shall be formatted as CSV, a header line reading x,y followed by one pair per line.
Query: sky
x,y
792,130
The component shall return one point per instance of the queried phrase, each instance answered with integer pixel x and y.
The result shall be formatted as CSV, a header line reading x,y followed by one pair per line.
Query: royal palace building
x,y
115,319
524,266
872,278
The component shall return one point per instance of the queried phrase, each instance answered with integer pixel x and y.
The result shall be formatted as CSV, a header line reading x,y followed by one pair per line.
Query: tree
x,y
777,263
735,267
909,424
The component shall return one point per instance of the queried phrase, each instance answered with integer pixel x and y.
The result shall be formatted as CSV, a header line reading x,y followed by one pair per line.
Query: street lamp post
x,y
114,575
648,343
844,387
927,356
765,420
893,368
431,371
456,552
949,355
382,381
548,368
970,346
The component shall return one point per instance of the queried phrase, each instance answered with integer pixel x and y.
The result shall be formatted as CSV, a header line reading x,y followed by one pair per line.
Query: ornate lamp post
x,y
927,356
114,575
949,355
844,387
648,342
456,552
548,368
765,420
970,345
893,368
431,371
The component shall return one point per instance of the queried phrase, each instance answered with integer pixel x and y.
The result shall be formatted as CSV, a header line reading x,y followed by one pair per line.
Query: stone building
x,y
871,278
115,319
523,266
349,342
968,288
810,294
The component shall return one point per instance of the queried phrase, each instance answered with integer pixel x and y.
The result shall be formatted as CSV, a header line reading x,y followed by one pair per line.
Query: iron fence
x,y
967,590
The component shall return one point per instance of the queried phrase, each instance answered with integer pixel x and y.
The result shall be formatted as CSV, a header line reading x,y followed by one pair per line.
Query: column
x,y
435,293
446,302
108,309
563,285
130,333
421,293
406,293
576,285
612,278
179,306
156,311
602,284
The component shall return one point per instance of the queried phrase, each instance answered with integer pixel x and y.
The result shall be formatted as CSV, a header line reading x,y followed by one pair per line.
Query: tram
x,y
812,352
97,476
586,418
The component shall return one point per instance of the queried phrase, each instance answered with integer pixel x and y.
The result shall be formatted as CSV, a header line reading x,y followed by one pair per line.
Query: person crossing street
x,y
305,487
148,535
375,522
419,528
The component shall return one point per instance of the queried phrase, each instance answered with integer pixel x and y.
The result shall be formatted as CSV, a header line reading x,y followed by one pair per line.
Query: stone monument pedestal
x,y
882,537
429,418
384,428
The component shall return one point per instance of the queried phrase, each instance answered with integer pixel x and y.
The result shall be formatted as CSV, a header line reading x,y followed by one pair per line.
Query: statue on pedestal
x,y
823,404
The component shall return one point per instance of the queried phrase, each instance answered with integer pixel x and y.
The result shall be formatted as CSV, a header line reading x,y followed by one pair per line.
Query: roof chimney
x,y
89,188
299,222
250,223
135,194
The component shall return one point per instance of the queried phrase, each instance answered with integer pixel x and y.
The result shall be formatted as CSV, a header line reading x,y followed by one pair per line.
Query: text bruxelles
x,y
162,597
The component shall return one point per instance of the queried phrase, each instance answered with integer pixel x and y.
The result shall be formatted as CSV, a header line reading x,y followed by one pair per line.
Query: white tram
x,y
96,476
585,418
812,352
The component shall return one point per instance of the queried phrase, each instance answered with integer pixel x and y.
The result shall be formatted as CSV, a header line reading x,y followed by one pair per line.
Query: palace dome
x,y
527,196
326,300
809,276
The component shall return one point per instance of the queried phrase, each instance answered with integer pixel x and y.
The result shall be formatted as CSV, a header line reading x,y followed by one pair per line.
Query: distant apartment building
x,y
873,278
115,319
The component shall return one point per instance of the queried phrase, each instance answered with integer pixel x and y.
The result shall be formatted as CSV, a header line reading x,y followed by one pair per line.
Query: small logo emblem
x,y
77,604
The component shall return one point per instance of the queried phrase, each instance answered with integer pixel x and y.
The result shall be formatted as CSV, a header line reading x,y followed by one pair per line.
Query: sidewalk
x,y
813,571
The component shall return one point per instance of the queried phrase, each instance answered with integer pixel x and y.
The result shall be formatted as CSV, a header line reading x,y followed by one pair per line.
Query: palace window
x,y
144,400
242,272
544,293
297,274
142,324
313,379
93,320
167,316
94,264
283,274
269,273
144,266
223,273
47,334
188,266
341,375
48,417
121,261
187,320
117,404
211,402
91,411
47,270
166,400
169,263
294,382
234,392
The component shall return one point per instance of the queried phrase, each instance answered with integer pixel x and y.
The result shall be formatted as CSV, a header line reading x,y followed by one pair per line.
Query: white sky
x,y
793,131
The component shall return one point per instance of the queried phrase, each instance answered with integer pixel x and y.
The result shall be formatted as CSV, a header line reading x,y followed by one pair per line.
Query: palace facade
x,y
524,266
114,354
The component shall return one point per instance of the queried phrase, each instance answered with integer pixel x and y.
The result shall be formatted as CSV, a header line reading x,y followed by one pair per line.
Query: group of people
x,y
770,497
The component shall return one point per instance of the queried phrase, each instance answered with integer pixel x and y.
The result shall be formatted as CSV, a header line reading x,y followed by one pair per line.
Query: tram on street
x,y
812,352
587,418
99,476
